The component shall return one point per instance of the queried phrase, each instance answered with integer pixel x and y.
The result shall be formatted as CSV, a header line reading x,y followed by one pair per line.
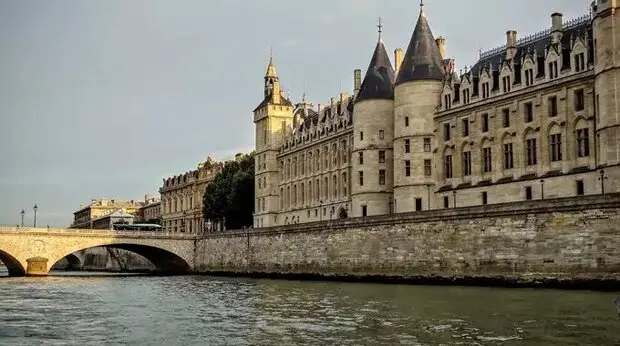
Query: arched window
x,y
302,199
344,184
335,186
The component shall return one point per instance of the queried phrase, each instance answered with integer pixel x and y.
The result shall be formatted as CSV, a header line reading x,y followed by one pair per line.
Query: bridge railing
x,y
96,232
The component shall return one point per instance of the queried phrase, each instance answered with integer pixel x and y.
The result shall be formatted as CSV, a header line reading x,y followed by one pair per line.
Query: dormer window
x,y
529,77
506,84
485,90
447,101
553,70
466,96
580,64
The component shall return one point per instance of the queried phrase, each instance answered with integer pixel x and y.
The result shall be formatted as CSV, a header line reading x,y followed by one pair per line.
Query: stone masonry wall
x,y
569,238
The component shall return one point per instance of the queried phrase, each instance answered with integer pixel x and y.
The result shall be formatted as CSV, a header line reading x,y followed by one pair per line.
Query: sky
x,y
104,99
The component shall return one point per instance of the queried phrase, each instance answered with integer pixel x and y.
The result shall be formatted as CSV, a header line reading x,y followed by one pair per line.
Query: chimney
x,y
441,44
398,59
357,80
556,27
511,44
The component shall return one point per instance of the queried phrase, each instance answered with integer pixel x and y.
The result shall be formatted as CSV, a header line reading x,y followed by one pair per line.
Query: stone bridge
x,y
34,251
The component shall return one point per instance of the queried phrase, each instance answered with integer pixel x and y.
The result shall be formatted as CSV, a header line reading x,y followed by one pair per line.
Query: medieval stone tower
x,y
606,34
417,91
373,133
271,118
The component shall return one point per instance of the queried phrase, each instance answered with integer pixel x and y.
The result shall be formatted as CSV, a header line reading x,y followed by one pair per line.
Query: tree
x,y
230,196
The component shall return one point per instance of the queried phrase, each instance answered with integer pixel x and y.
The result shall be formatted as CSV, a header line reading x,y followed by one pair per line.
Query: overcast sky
x,y
106,98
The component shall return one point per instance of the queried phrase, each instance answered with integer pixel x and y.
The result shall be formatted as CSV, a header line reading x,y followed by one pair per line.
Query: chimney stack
x,y
398,59
441,44
556,27
357,80
511,44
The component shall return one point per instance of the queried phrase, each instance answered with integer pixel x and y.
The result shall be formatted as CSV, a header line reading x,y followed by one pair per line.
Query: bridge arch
x,y
13,265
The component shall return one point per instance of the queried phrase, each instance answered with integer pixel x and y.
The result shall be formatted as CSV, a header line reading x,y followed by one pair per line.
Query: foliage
x,y
230,197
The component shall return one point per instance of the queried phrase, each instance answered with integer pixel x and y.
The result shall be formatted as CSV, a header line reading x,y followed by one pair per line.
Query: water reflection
x,y
202,310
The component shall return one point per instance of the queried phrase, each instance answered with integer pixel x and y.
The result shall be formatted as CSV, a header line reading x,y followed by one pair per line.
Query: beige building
x,y
150,211
181,199
86,216
536,118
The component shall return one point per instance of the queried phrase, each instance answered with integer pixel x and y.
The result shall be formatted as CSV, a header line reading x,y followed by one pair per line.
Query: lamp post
x,y
602,178
23,212
35,215
454,198
542,189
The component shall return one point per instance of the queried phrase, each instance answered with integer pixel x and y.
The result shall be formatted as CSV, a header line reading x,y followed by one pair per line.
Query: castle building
x,y
536,118
181,199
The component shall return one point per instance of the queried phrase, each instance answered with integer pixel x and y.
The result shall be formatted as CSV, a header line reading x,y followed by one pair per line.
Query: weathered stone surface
x,y
573,238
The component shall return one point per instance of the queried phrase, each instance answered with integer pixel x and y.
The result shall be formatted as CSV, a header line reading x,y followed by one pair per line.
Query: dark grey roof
x,y
267,100
422,60
379,77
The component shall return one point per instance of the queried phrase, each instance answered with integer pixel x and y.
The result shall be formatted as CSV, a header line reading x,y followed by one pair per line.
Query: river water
x,y
87,309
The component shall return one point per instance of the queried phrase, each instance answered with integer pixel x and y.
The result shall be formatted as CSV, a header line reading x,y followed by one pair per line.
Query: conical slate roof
x,y
422,60
379,77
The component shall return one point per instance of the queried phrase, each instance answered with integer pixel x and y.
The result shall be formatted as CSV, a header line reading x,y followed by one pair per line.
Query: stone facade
x,y
566,239
92,214
181,199
150,212
533,119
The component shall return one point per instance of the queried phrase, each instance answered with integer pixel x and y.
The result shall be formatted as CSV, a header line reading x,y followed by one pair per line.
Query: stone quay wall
x,y
562,240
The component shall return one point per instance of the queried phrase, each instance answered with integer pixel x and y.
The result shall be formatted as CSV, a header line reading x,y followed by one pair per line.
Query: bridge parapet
x,y
95,233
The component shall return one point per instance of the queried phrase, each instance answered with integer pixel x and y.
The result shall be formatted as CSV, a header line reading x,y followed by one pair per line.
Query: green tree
x,y
230,196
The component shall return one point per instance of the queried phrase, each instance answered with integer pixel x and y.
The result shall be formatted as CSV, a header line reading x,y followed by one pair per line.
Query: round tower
x,y
417,92
373,128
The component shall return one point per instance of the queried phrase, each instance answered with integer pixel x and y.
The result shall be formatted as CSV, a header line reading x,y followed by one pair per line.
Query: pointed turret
x,y
423,60
379,77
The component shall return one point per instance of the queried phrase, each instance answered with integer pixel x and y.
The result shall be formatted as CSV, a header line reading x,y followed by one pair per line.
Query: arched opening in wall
x,y
132,258
10,265
71,262
342,213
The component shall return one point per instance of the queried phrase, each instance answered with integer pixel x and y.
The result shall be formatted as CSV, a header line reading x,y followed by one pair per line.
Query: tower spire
x,y
271,68
421,7
380,26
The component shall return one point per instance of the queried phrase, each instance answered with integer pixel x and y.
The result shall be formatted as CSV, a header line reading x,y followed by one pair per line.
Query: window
x,y
529,76
382,177
528,193
484,197
407,168
553,106
530,146
465,125
406,121
446,132
579,103
427,145
407,146
364,210
361,135
448,167
506,84
580,187
344,184
580,63
446,202
418,204
553,70
466,163
486,160
381,134
265,136
466,96
508,158
485,90
427,168
361,158
447,101
528,112
555,142
583,143
361,178
335,186
506,117
485,122
381,156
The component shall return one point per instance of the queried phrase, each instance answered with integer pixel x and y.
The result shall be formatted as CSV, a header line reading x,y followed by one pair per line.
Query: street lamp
x,y
23,212
454,198
602,178
35,215
542,189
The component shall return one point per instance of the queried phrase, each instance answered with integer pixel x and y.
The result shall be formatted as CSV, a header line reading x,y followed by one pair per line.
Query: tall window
x,y
529,76
302,200
506,117
553,106
485,90
361,157
344,184
361,177
528,193
553,70
583,143
448,167
361,135
446,132
528,112
487,160
406,121
427,145
381,156
382,177
381,134
555,141
466,163
466,96
508,157
427,168
506,84
580,63
530,146
407,168
407,146
465,126
447,101
335,186
579,102
485,122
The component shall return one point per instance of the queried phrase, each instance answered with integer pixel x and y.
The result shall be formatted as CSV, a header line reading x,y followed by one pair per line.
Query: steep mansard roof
x,y
379,77
422,60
